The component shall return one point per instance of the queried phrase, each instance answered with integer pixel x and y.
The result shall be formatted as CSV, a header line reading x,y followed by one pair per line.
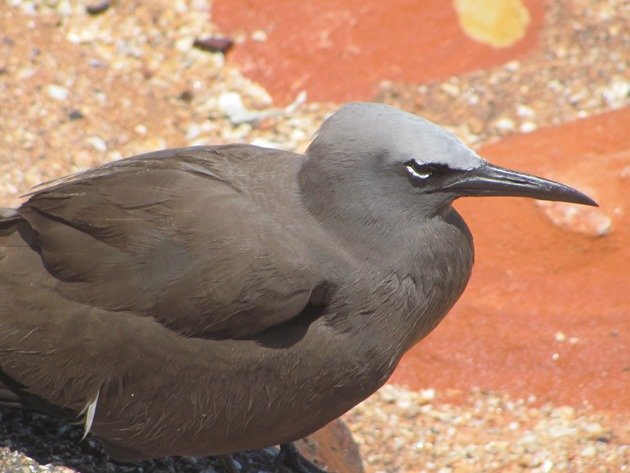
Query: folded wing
x,y
171,235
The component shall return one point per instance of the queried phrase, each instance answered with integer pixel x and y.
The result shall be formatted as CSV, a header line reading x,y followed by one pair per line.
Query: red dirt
x,y
340,51
533,279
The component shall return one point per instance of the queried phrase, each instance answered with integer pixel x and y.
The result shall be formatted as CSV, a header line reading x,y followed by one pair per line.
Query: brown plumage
x,y
208,300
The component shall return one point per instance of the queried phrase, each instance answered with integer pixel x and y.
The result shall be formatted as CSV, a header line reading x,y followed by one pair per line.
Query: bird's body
x,y
207,300
168,336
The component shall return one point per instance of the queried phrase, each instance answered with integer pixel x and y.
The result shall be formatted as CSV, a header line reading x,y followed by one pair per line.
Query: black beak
x,y
490,180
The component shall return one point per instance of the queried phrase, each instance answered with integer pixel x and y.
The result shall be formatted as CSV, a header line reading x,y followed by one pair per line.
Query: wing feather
x,y
169,235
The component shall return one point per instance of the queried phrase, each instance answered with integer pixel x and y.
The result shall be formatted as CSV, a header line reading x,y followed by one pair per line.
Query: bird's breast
x,y
395,302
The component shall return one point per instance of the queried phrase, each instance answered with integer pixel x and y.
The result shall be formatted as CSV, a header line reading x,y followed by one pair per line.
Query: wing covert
x,y
166,236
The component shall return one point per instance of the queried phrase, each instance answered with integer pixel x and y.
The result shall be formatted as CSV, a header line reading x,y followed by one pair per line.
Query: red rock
x,y
333,446
575,218
533,279
341,50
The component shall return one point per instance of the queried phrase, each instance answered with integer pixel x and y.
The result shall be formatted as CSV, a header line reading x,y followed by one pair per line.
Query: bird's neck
x,y
403,299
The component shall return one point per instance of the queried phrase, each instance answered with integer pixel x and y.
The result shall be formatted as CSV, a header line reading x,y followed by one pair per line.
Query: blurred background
x,y
531,370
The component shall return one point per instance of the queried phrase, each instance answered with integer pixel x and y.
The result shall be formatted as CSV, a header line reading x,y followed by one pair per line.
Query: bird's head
x,y
377,152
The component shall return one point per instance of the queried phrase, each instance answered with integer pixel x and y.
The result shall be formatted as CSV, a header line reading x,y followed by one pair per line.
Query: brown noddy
x,y
207,300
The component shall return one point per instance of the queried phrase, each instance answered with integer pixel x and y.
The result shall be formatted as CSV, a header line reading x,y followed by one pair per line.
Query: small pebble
x,y
97,7
186,96
97,143
528,127
525,111
57,92
259,36
214,44
75,115
427,395
450,89
231,104
193,131
505,123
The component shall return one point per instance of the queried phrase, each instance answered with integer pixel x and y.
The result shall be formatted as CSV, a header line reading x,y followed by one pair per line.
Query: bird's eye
x,y
417,170
424,171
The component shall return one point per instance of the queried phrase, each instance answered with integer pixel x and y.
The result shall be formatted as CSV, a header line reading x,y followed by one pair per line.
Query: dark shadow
x,y
50,441
288,334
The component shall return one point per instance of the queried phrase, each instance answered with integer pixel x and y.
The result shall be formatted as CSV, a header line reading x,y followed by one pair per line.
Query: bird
x,y
212,299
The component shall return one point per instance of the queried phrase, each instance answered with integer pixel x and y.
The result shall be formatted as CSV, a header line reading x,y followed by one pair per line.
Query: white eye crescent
x,y
413,172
